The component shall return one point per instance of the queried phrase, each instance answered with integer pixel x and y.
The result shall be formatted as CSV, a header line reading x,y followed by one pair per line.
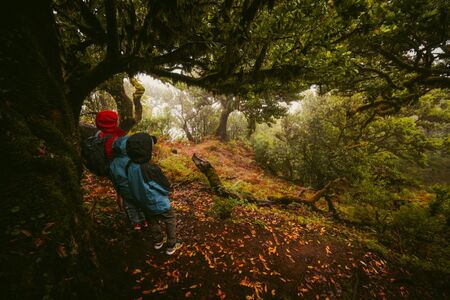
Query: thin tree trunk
x,y
114,86
227,109
221,131
188,133
130,110
251,126
137,97
331,207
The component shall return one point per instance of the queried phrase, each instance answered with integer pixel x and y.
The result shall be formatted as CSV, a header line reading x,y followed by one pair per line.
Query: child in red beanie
x,y
107,121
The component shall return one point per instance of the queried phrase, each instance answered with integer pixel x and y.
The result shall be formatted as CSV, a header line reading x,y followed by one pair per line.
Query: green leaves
x,y
392,51
326,139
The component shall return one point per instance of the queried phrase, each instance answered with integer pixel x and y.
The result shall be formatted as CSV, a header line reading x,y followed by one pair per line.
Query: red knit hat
x,y
106,120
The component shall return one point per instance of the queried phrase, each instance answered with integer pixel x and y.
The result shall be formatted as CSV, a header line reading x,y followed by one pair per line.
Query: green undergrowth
x,y
179,168
222,208
437,264
368,238
243,187
266,187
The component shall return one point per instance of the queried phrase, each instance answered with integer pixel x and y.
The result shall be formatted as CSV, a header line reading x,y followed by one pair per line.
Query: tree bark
x,y
312,200
114,86
221,131
251,126
215,183
188,133
208,170
79,86
137,97
227,109
130,110
46,244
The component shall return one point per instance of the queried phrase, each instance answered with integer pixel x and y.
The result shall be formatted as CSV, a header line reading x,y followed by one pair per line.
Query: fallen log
x,y
216,185
208,170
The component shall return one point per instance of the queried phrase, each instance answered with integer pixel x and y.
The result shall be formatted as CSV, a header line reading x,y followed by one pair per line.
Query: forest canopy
x,y
392,51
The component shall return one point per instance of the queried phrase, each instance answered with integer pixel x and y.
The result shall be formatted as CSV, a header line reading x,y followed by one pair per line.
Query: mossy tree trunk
x,y
208,170
215,183
46,244
130,110
137,97
114,86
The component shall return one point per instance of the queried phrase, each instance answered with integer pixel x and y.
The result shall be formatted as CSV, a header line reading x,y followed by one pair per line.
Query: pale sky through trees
x,y
159,95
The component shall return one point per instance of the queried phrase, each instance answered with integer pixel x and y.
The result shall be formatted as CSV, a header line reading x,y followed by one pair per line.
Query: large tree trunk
x,y
45,243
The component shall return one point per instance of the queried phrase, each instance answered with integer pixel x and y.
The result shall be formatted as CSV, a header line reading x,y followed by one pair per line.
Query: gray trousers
x,y
168,221
134,213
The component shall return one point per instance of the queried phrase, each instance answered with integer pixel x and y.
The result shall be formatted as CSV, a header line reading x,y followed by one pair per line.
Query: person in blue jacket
x,y
120,182
150,189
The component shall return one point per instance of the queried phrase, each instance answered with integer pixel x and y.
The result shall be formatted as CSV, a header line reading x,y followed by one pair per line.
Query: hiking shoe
x,y
171,250
159,245
137,227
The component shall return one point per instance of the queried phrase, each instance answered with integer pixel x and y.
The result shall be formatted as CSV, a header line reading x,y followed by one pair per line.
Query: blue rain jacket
x,y
148,185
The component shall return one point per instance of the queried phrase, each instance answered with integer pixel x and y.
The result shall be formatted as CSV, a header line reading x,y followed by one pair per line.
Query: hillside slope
x,y
256,253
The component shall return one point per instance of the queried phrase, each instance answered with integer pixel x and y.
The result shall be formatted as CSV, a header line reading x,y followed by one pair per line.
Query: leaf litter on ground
x,y
260,253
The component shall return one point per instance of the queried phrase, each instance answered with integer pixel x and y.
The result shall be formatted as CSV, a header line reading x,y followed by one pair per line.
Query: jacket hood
x,y
106,121
119,147
139,147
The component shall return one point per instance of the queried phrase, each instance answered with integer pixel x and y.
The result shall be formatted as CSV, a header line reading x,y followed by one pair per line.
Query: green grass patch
x,y
178,167
239,186
222,208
